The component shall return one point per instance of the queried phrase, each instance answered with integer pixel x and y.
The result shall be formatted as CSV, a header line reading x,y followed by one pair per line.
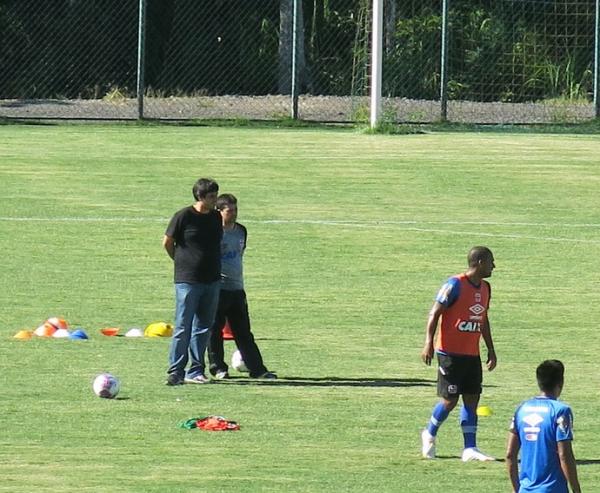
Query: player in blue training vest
x,y
542,430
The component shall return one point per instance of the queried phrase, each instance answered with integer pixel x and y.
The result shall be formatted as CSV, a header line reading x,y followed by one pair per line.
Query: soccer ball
x,y
106,386
58,323
237,362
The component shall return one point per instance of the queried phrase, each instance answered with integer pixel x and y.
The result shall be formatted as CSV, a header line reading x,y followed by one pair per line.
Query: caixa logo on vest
x,y
465,326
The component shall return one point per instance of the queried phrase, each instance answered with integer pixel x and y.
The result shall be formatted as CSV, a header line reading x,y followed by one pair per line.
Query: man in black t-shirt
x,y
193,241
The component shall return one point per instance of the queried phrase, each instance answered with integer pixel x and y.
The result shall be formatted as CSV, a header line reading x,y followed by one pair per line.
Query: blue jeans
x,y
195,308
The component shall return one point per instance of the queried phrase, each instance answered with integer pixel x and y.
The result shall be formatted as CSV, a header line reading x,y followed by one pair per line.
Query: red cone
x,y
227,335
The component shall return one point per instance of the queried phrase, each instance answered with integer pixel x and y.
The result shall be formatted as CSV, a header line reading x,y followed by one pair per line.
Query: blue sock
x,y
438,416
468,423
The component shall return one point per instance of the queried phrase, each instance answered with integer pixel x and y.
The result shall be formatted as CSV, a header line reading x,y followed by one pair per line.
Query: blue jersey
x,y
540,423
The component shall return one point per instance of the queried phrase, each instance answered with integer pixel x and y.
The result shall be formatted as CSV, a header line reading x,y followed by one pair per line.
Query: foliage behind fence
x,y
509,60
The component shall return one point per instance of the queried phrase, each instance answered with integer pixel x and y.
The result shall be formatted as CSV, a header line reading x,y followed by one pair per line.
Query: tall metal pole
x,y
444,63
376,62
597,62
294,60
141,87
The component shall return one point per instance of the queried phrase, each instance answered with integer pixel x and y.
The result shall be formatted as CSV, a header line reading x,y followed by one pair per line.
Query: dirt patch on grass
x,y
310,108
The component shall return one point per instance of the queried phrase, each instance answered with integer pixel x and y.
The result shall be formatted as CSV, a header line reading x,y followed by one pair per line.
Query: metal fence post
x,y
141,88
597,62
376,62
444,63
294,60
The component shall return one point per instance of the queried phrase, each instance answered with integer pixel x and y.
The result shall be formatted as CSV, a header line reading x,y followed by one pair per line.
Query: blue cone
x,y
78,334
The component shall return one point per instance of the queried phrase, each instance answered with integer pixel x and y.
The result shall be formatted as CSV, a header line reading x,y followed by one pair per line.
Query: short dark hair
x,y
226,200
203,187
478,254
550,373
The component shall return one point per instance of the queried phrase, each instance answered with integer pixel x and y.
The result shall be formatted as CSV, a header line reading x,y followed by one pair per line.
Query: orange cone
x,y
45,330
227,335
110,331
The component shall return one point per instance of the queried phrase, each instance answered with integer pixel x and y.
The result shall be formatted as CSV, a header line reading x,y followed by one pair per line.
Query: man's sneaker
x,y
174,379
197,379
428,441
473,453
222,375
268,375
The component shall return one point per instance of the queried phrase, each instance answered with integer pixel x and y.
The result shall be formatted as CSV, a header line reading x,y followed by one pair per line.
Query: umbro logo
x,y
533,419
477,309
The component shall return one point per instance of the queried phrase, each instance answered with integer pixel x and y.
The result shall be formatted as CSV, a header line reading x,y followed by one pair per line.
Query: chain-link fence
x,y
67,58
504,61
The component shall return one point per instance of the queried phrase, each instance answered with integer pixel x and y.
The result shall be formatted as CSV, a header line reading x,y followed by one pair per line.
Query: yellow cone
x,y
159,329
23,334
484,411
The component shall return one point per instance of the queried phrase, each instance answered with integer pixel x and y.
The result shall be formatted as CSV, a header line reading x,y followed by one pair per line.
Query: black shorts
x,y
458,375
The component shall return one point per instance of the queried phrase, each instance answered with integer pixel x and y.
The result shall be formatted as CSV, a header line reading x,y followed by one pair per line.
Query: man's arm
x,y
512,463
432,322
169,246
486,333
568,465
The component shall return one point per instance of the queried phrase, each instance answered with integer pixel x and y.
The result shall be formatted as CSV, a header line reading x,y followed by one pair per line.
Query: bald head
x,y
479,254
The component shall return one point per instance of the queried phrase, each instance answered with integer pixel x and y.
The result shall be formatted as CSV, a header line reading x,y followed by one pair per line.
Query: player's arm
x,y
169,246
512,462
568,464
486,333
432,322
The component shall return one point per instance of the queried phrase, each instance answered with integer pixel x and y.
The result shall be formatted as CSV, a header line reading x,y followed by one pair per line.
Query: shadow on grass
x,y
23,121
581,462
587,462
334,382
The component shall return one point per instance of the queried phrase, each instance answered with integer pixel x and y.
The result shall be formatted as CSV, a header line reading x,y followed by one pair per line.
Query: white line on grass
x,y
85,219
404,225
378,224
326,222
491,235
400,223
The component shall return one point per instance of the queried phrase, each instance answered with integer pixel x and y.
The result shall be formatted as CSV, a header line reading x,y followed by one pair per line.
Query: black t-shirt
x,y
197,245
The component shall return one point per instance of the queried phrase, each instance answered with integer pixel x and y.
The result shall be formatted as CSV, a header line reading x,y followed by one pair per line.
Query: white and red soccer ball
x,y
58,323
106,386
51,326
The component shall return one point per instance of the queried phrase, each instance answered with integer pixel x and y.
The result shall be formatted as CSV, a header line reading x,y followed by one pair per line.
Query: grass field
x,y
351,235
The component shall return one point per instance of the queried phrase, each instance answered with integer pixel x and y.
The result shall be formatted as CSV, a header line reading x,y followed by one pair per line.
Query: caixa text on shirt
x,y
468,326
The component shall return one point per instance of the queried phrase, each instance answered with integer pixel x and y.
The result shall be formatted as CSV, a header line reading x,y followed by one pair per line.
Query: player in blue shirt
x,y
542,430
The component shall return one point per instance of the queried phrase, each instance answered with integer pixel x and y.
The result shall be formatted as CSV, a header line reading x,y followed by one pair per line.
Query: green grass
x,y
351,235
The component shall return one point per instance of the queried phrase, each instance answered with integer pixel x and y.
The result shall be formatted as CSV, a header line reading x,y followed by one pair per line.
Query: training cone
x,y
58,323
78,334
484,411
134,332
159,329
23,334
61,333
227,334
110,331
44,330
